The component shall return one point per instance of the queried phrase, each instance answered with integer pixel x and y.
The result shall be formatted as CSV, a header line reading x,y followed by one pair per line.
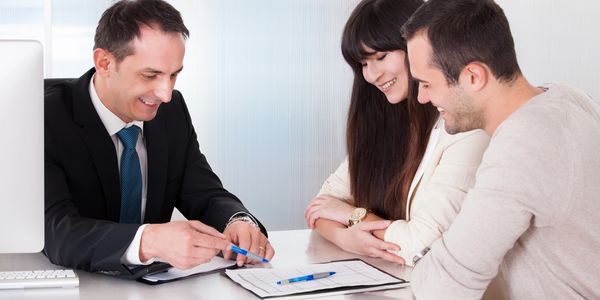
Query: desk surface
x,y
293,247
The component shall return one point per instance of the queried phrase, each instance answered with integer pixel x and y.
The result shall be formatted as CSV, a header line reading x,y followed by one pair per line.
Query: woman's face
x,y
387,71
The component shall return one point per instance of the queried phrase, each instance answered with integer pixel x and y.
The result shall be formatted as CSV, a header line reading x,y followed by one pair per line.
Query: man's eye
x,y
149,76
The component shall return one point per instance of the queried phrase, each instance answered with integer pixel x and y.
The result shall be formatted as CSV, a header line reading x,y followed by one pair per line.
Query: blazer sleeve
x,y
437,204
338,184
72,240
202,195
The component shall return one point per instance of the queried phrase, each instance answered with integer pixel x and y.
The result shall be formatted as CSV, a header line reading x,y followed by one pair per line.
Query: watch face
x,y
358,214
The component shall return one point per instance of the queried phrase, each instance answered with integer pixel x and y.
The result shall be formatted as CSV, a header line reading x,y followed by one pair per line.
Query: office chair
x,y
48,82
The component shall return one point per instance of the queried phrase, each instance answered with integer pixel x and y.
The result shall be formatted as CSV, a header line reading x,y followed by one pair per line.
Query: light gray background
x,y
268,88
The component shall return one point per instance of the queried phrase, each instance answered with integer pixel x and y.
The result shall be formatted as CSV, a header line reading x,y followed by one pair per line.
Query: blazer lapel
x,y
430,160
155,134
99,143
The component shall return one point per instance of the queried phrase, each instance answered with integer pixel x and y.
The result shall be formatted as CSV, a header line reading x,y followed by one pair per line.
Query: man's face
x,y
142,81
452,101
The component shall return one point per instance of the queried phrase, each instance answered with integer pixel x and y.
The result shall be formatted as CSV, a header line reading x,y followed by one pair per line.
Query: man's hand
x,y
360,240
327,207
249,237
183,244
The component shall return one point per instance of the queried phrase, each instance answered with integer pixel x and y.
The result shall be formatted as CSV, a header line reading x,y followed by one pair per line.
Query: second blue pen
x,y
306,277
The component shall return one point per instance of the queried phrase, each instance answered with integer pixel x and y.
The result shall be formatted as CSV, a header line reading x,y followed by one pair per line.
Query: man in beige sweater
x,y
533,215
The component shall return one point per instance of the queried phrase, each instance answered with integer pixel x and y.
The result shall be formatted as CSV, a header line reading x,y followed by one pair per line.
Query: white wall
x,y
268,91
557,41
271,94
265,82
267,86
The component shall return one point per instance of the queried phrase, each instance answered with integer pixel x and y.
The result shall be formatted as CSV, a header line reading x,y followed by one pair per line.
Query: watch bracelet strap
x,y
243,217
420,255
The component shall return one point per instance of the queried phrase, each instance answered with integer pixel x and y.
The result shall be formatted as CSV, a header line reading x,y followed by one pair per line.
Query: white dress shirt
x,y
114,124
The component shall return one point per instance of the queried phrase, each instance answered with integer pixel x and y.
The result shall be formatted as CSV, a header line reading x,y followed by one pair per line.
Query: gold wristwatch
x,y
357,215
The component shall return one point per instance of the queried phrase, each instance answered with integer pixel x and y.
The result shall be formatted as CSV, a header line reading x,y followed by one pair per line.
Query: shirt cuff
x,y
132,254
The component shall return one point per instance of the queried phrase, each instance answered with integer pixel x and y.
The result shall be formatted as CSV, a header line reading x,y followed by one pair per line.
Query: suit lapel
x,y
99,143
155,134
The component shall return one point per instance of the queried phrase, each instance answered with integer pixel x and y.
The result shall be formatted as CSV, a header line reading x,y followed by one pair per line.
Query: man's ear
x,y
103,61
474,76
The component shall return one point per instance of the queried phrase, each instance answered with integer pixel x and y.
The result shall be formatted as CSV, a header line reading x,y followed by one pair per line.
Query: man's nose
x,y
422,97
164,90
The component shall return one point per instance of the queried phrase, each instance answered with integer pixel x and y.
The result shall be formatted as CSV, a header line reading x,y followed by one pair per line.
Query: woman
x,y
401,163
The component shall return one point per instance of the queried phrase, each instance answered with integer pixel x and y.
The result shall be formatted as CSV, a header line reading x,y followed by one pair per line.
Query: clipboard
x,y
169,274
260,288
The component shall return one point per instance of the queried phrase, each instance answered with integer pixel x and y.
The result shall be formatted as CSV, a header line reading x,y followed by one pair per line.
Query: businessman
x,y
121,153
533,215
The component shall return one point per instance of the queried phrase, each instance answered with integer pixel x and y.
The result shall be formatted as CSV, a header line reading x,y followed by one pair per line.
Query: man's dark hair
x,y
464,31
120,24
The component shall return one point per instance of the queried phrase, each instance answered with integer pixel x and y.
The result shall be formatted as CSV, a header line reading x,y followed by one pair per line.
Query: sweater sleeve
x,y
437,203
512,186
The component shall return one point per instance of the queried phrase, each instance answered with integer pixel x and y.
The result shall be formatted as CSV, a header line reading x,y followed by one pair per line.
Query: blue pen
x,y
247,253
306,277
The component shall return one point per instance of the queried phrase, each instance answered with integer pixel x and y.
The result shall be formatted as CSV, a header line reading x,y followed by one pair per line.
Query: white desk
x,y
293,247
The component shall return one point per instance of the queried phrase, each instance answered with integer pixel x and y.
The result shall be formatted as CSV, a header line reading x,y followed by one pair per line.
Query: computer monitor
x,y
22,148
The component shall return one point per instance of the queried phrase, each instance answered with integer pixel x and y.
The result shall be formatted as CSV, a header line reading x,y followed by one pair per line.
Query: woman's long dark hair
x,y
386,142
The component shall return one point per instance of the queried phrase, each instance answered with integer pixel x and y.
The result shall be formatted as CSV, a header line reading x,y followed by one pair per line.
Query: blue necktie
x,y
131,177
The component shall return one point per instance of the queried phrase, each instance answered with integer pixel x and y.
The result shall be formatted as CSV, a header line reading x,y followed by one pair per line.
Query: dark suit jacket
x,y
82,192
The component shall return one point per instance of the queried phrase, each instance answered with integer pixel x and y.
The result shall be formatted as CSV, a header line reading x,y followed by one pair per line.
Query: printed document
x,y
351,276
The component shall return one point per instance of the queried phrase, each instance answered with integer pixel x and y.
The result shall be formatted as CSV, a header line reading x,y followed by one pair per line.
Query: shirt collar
x,y
112,123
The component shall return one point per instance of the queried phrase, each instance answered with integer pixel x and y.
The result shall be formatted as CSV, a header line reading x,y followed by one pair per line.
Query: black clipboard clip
x,y
138,272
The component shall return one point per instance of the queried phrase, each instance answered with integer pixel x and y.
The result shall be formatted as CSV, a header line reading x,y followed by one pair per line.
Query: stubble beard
x,y
465,117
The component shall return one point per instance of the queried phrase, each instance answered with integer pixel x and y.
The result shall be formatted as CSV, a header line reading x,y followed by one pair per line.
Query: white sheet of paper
x,y
214,264
263,282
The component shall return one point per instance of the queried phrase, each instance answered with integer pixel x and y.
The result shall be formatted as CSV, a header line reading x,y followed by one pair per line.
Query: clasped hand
x,y
327,207
186,244
329,216
359,239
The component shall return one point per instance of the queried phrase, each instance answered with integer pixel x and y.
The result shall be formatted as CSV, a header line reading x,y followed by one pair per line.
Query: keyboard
x,y
38,279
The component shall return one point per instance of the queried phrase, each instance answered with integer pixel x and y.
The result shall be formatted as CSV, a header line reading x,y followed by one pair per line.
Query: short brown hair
x,y
121,22
464,31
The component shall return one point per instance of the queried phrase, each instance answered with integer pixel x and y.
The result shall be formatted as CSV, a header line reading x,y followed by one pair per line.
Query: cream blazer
x,y
437,191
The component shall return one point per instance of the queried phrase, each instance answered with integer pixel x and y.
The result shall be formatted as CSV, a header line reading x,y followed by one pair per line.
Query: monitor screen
x,y
22,147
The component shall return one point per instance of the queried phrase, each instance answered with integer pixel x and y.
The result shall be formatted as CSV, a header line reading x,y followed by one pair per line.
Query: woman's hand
x,y
359,239
327,207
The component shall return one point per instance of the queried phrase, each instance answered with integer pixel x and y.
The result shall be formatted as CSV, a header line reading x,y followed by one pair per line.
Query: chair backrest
x,y
48,82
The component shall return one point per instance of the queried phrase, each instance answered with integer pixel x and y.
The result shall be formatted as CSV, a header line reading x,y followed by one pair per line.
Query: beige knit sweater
x,y
534,212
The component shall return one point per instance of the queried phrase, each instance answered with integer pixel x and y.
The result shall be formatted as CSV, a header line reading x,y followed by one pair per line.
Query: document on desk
x,y
350,276
215,263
